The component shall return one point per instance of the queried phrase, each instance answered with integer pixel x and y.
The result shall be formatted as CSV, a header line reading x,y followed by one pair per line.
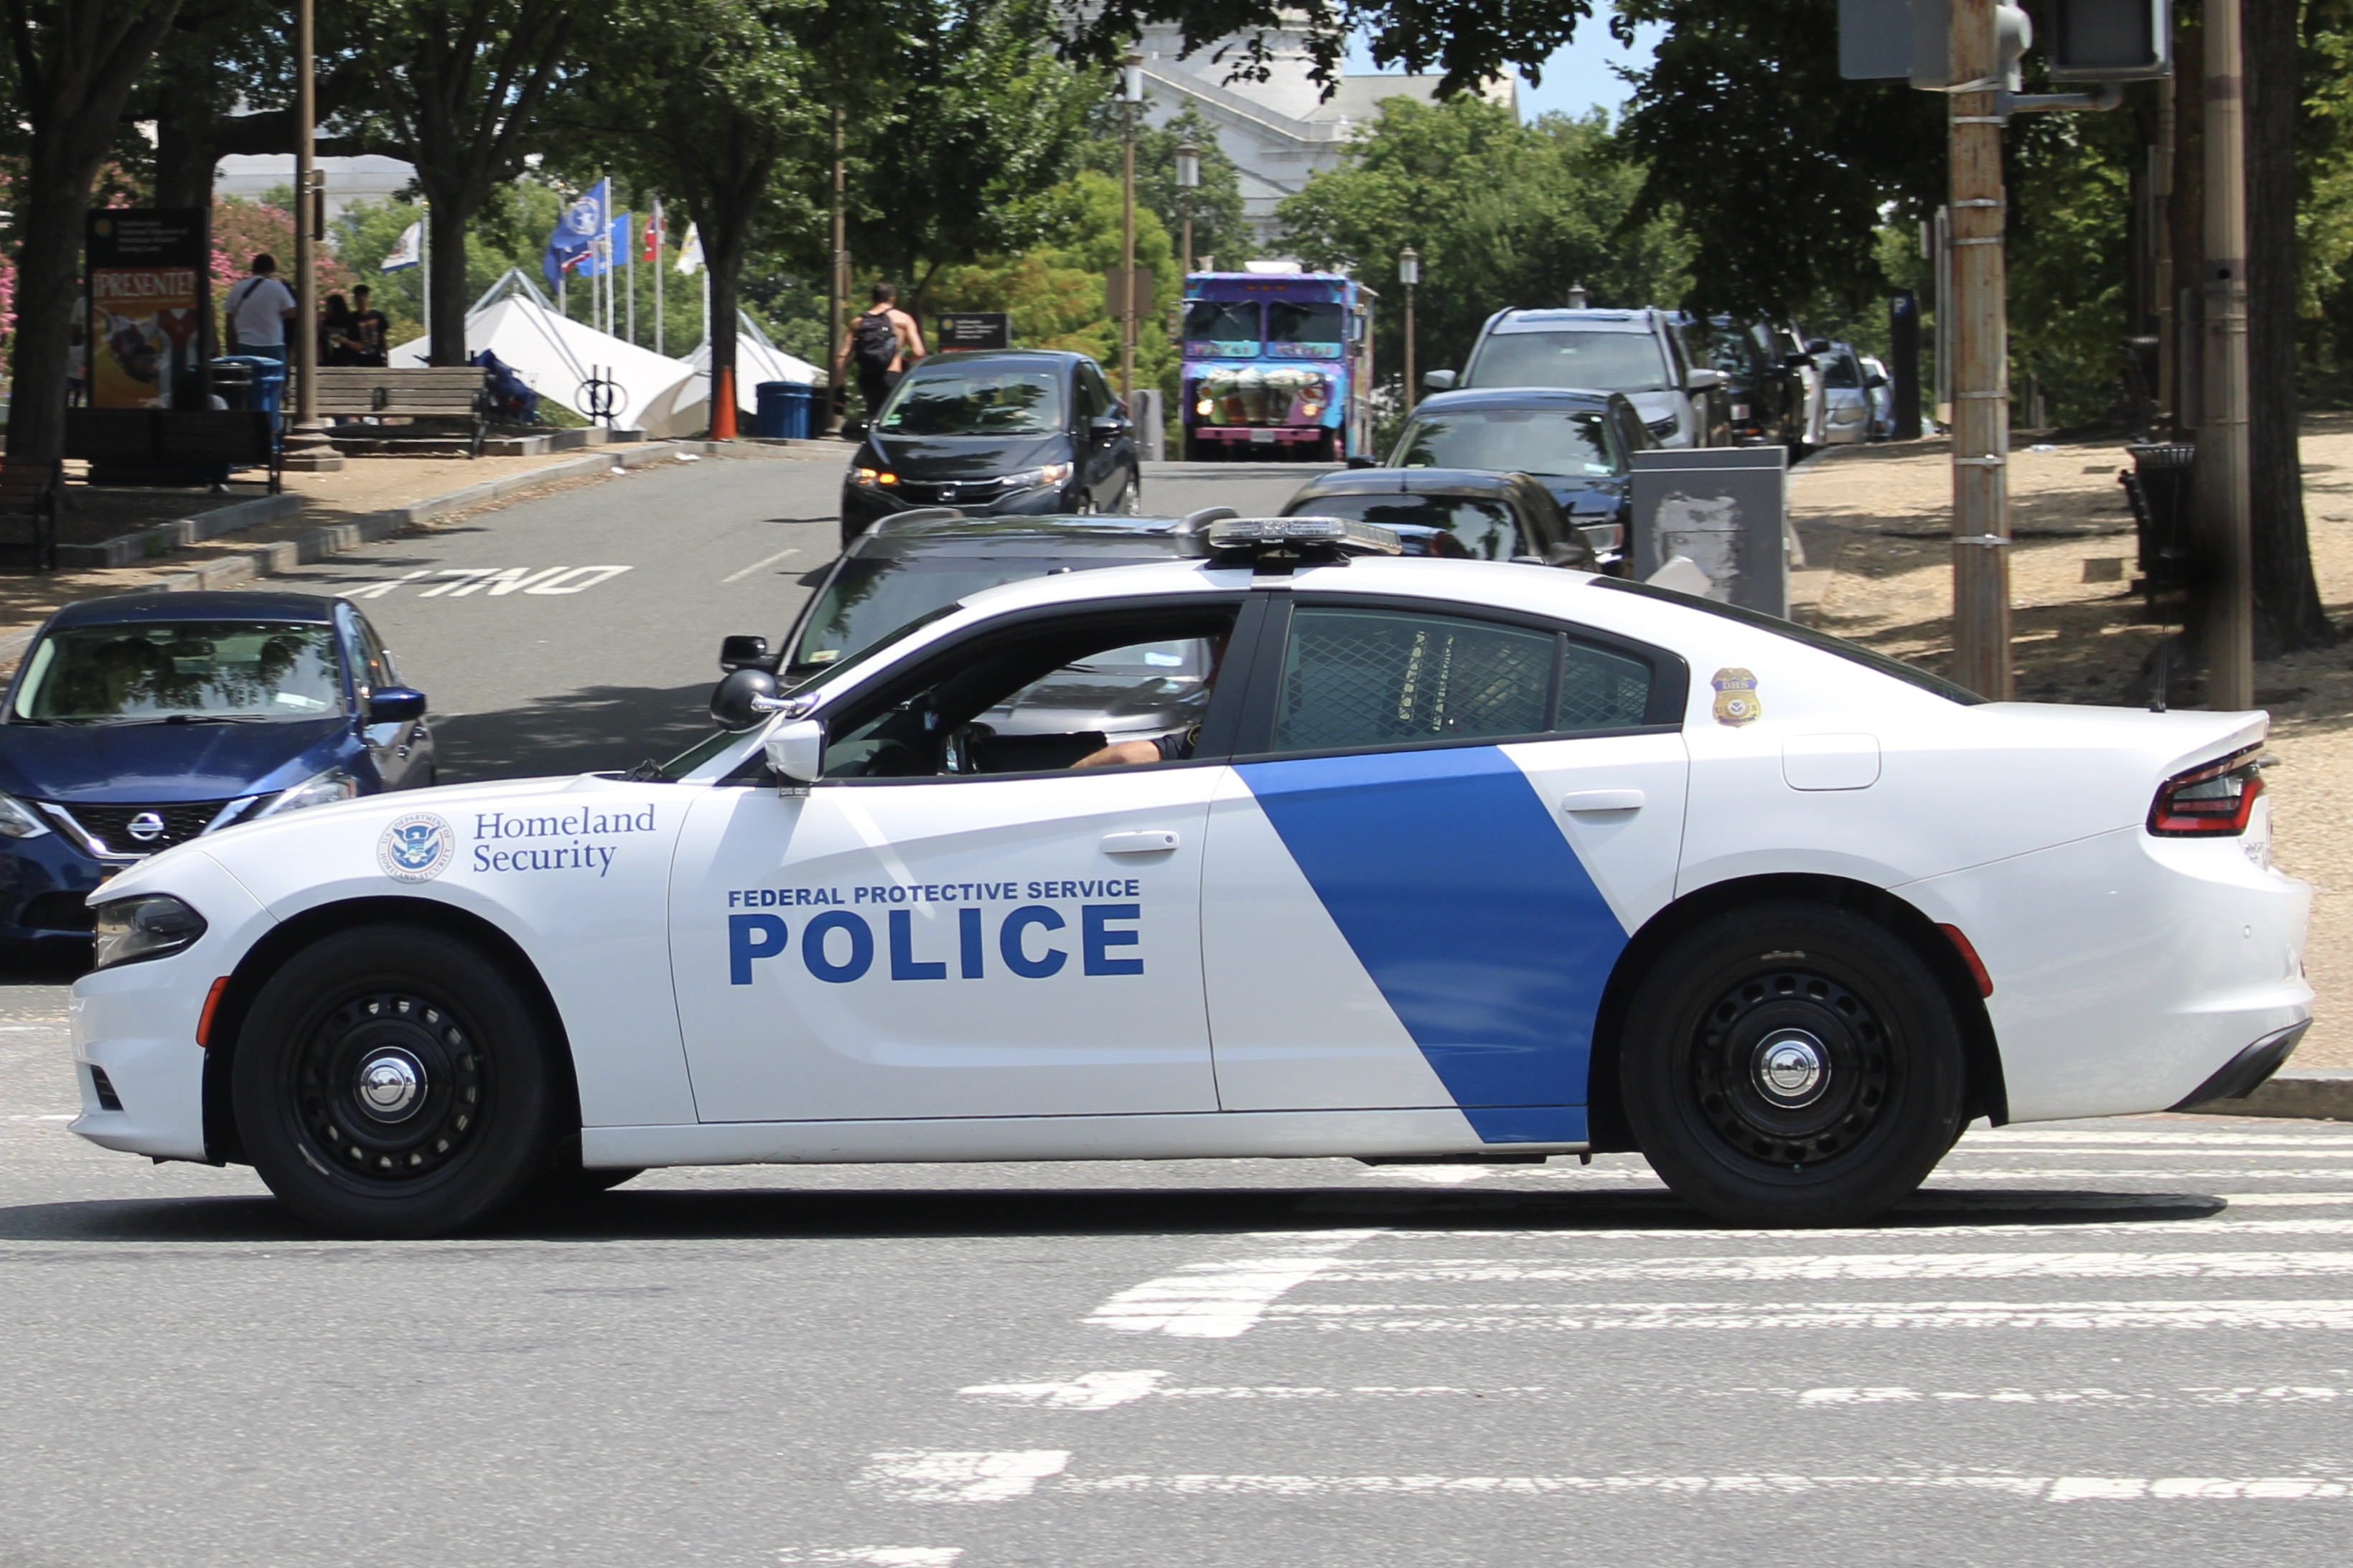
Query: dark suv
x,y
1764,376
1027,432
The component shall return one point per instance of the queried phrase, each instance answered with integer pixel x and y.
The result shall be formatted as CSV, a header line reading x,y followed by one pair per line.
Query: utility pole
x,y
1131,88
1408,274
838,289
1981,356
2225,497
1189,179
308,447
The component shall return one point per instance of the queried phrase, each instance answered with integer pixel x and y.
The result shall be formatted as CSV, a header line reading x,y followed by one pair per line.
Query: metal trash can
x,y
2159,488
782,410
257,381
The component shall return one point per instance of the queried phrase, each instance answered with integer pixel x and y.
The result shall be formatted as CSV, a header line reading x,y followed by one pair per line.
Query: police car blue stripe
x,y
1484,932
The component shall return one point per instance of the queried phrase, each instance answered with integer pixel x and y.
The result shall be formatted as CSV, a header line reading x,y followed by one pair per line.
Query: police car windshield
x,y
1508,440
1452,526
976,401
1613,362
183,671
873,597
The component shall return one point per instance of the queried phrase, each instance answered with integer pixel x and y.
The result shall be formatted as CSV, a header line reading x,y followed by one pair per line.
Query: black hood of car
x,y
1586,495
963,457
159,763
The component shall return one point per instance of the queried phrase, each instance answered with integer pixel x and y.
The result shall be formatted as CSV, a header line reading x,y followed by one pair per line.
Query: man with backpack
x,y
883,342
258,309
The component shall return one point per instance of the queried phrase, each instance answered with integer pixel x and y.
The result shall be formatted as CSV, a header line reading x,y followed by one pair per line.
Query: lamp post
x,y
308,447
1131,93
1408,274
1188,180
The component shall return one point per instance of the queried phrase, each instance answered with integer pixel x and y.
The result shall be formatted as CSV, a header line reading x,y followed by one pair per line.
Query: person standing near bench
x,y
258,309
370,328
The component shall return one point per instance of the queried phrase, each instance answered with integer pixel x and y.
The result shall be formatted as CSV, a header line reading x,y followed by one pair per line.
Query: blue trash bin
x,y
265,380
782,410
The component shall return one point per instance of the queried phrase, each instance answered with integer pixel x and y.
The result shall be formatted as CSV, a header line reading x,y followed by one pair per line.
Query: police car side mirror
x,y
395,705
735,702
796,751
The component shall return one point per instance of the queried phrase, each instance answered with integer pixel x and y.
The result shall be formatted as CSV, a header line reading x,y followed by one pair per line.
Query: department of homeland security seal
x,y
1735,697
416,847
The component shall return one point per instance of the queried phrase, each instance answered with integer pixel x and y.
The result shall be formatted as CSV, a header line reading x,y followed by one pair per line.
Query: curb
x,y
2319,1094
162,538
286,555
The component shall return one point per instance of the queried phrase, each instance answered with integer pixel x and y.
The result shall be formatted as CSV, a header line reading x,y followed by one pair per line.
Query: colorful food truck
x,y
1277,366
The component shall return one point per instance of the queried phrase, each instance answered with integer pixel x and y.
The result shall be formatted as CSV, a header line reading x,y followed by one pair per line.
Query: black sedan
x,y
1580,444
1461,513
1028,433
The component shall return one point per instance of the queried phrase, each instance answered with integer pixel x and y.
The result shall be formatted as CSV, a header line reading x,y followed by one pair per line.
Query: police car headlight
x,y
132,928
1030,478
17,821
319,789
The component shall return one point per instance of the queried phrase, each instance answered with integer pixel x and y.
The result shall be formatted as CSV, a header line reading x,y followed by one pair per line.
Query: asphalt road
x,y
2123,1342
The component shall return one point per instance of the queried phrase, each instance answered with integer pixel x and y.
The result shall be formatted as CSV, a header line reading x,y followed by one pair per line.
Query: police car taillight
x,y
2212,800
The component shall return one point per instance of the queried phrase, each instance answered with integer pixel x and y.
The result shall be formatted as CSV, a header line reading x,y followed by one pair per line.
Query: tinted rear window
x,y
1910,674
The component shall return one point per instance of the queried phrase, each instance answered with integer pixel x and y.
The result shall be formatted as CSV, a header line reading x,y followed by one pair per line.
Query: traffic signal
x,y
2110,40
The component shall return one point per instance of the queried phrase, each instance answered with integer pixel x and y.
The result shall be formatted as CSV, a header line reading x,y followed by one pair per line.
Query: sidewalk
x,y
1874,520
369,499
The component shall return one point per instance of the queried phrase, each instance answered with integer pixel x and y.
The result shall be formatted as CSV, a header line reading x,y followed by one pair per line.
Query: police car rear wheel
x,y
393,1082
1792,1064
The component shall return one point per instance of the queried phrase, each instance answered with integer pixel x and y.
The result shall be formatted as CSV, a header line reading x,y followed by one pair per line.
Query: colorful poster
x,y
146,271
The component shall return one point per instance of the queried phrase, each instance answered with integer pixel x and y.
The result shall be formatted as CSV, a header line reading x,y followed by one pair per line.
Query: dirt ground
x,y
1873,521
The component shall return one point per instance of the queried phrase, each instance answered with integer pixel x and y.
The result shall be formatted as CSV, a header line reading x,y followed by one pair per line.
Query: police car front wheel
x,y
1792,1064
391,1081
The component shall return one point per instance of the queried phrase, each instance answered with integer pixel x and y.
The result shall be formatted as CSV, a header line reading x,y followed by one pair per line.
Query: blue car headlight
x,y
150,926
17,820
319,789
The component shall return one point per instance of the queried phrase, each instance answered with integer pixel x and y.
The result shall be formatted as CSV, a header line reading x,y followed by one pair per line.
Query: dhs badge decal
x,y
1735,697
416,847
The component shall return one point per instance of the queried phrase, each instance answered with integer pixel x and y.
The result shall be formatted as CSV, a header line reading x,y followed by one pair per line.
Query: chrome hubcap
x,y
1792,1069
391,1084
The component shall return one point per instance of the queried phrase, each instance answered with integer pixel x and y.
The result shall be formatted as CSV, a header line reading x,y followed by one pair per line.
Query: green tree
x,y
1219,230
1503,214
69,69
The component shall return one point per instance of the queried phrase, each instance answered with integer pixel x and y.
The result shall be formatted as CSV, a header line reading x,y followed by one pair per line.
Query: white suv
x,y
1634,351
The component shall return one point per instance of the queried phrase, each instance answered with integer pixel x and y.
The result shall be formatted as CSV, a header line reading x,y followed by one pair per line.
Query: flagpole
x,y
661,259
425,273
630,244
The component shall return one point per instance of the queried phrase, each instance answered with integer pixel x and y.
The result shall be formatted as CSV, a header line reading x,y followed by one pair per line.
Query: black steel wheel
x,y
391,1081
1792,1064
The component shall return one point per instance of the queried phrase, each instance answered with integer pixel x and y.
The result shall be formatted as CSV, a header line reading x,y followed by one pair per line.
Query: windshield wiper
x,y
214,718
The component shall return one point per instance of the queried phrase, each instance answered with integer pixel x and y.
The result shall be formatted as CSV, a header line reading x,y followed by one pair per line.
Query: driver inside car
x,y
1171,748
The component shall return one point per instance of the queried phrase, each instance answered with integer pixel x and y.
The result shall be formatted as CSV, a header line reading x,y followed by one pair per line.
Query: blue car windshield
x,y
240,671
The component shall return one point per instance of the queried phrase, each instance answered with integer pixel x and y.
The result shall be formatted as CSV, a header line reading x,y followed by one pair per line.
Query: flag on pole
x,y
577,232
689,255
614,251
408,251
655,237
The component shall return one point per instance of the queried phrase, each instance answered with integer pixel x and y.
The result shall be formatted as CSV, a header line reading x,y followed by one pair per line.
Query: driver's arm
x,y
1121,753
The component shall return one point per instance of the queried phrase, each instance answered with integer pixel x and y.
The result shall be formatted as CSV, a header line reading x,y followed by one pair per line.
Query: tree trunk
x,y
445,214
188,141
84,58
2186,213
2288,614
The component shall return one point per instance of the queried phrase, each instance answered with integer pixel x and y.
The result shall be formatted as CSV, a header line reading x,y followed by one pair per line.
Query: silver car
x,y
1638,352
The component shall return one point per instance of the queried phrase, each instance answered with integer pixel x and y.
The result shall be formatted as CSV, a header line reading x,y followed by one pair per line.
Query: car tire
x,y
395,1082
1791,1064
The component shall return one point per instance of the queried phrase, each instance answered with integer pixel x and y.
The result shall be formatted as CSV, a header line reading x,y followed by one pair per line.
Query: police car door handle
x,y
1152,841
1595,800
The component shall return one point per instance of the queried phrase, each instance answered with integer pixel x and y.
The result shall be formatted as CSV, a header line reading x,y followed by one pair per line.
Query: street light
x,y
1188,180
1408,274
1131,93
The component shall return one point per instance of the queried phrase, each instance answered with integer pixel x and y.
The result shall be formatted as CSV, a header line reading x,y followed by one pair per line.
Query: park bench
x,y
173,446
28,515
433,397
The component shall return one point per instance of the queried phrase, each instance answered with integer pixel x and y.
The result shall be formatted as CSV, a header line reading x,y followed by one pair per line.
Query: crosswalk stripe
x,y
1860,1266
1490,1317
2041,1488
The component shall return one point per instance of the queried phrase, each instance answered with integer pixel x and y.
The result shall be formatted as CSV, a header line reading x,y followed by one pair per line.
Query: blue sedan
x,y
138,722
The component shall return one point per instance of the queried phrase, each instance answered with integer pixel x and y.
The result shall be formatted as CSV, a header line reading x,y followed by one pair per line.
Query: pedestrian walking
x,y
371,328
258,309
884,341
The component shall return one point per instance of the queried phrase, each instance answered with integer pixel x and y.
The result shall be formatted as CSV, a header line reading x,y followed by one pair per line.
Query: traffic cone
x,y
723,406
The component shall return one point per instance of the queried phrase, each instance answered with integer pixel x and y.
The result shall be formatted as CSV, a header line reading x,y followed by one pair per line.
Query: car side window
x,y
377,669
1094,395
1356,678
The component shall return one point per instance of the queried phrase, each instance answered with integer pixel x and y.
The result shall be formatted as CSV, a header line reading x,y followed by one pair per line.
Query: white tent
x,y
688,404
555,356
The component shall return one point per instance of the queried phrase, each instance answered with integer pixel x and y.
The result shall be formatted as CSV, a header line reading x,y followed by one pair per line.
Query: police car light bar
x,y
1327,539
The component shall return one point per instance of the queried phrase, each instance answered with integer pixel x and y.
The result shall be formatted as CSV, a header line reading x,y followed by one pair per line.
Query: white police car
x,y
1457,859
